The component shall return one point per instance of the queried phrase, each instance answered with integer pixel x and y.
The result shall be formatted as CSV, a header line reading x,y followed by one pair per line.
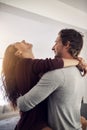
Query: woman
x,y
20,73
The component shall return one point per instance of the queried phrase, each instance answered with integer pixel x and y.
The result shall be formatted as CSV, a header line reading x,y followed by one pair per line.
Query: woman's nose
x,y
23,41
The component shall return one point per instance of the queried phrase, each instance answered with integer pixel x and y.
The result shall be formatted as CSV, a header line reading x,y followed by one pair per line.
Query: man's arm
x,y
47,84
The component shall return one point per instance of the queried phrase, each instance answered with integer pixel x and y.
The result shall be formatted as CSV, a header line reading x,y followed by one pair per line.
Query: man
x,y
64,86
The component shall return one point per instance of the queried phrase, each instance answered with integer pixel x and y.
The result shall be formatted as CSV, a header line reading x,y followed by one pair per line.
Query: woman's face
x,y
24,50
23,46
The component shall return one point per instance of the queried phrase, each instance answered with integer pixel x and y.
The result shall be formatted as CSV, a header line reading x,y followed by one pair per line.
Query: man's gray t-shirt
x,y
65,88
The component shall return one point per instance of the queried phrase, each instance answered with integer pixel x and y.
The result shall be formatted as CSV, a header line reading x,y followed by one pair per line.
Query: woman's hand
x,y
82,66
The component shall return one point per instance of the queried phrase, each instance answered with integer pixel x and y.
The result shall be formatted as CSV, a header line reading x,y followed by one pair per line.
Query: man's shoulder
x,y
54,74
64,71
61,70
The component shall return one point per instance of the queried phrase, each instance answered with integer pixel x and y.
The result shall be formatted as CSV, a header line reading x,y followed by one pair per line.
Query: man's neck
x,y
67,56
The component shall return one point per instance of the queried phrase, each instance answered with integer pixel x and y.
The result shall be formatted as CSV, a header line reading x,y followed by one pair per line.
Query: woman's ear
x,y
18,53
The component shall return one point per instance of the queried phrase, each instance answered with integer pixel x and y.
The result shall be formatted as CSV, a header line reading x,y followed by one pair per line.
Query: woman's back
x,y
34,119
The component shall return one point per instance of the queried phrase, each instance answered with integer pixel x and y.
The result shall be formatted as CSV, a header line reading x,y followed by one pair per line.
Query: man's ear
x,y
67,45
18,53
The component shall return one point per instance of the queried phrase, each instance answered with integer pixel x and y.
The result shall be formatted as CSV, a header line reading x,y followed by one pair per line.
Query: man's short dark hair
x,y
74,38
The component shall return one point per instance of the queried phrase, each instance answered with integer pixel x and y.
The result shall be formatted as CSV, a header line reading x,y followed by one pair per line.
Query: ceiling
x,y
59,10
79,4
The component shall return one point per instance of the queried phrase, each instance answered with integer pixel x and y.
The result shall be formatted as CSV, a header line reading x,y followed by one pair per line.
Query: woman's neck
x,y
28,55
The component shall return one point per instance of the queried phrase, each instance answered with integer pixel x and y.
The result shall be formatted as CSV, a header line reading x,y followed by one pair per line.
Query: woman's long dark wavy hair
x,y
8,74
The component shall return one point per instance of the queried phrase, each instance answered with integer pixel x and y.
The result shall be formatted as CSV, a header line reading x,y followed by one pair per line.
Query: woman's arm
x,y
70,62
42,66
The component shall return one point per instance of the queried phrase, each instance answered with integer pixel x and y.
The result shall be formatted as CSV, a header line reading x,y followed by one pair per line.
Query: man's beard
x,y
58,56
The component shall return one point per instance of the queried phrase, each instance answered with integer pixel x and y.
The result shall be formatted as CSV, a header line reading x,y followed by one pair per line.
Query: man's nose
x,y
53,48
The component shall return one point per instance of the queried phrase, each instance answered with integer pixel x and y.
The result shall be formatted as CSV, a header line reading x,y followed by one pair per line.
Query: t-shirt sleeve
x,y
46,86
45,65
